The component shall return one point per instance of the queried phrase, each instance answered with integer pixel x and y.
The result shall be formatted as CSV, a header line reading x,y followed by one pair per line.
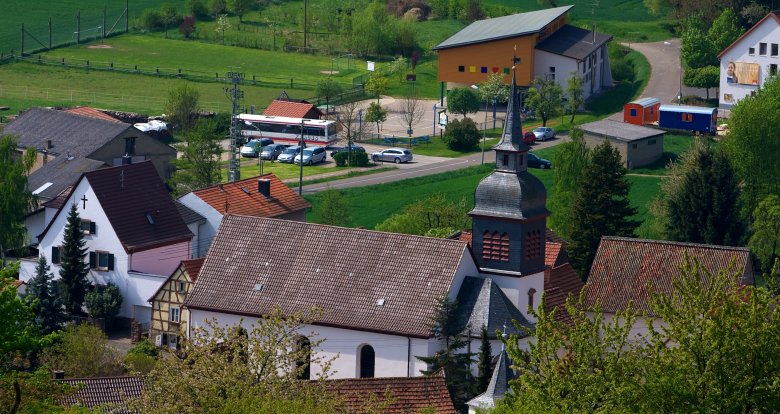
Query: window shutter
x,y
92,228
110,262
55,254
92,260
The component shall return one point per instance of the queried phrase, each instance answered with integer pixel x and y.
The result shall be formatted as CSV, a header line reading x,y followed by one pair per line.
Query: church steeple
x,y
511,152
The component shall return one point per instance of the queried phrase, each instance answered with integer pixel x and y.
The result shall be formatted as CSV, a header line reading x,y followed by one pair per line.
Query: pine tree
x,y
601,206
447,327
700,200
73,268
485,359
43,299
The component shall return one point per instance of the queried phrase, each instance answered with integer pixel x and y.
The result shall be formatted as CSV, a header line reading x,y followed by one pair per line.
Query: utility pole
x,y
127,15
305,24
300,177
235,94
78,27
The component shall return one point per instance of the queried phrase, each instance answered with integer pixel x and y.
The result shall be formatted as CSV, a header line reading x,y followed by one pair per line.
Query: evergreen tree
x,y
570,160
73,268
601,206
700,199
42,298
447,327
766,232
485,359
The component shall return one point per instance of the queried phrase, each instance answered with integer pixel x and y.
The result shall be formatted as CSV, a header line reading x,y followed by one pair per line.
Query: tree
x,y
433,216
570,161
198,9
198,165
753,142
724,30
699,201
376,85
705,77
333,209
494,89
328,88
240,7
18,332
182,107
461,135
187,26
217,8
349,116
574,95
447,327
766,231
169,15
398,68
696,50
544,97
376,114
43,299
463,101
601,206
213,369
73,267
83,351
412,111
104,302
152,20
16,198
223,25
485,361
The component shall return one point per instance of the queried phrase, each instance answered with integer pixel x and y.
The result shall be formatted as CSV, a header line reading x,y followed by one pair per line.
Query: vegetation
x,y
700,45
73,267
574,95
765,241
104,302
431,216
83,351
461,135
485,362
376,114
463,101
16,197
601,206
333,209
545,97
198,164
571,159
43,299
182,108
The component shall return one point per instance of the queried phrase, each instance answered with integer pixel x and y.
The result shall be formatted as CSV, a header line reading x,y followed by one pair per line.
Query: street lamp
x,y
259,158
484,125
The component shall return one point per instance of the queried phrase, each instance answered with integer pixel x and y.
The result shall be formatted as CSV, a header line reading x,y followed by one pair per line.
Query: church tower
x,y
510,214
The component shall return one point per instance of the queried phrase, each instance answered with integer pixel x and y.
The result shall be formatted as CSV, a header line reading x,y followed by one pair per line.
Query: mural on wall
x,y
742,73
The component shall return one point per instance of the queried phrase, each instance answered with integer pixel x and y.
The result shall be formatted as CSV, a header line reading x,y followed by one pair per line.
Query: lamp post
x,y
300,178
484,125
259,158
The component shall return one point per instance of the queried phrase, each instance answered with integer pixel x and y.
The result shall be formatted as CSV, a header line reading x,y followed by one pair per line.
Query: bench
x,y
389,140
426,139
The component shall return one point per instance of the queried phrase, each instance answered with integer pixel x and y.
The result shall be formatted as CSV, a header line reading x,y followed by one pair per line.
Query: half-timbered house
x,y
169,316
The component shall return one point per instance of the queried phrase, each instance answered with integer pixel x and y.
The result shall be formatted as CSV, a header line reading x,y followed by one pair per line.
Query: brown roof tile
x,y
290,109
360,279
560,283
192,267
408,395
91,113
60,199
623,267
242,197
95,392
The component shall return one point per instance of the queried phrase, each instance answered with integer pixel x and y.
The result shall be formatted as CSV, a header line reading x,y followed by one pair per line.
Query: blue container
x,y
688,118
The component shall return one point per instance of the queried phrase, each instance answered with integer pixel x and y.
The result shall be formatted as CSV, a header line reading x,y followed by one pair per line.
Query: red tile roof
x,y
360,279
290,109
60,199
241,197
90,113
192,267
623,267
408,395
554,254
560,283
94,392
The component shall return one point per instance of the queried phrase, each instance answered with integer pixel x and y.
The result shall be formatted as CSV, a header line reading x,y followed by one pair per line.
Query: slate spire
x,y
512,136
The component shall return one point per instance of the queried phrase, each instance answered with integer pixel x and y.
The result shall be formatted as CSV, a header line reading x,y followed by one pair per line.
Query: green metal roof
x,y
504,27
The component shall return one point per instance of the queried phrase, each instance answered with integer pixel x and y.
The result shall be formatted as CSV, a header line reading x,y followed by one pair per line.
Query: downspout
x,y
408,356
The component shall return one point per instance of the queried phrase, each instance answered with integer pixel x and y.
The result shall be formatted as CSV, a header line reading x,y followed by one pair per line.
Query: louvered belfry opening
x,y
495,246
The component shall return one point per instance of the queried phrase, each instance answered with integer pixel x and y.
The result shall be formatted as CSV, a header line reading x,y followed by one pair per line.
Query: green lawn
x,y
674,146
251,168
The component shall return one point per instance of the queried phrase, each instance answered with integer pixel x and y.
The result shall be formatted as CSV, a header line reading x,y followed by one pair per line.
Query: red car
x,y
529,138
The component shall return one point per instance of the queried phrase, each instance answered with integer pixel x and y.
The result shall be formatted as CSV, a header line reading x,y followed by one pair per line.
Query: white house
x,y
748,62
262,196
133,232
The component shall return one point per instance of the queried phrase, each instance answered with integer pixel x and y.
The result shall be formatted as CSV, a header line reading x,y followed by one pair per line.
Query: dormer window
x,y
88,227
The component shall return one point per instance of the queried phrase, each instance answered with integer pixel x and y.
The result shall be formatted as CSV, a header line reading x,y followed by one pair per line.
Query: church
x,y
377,292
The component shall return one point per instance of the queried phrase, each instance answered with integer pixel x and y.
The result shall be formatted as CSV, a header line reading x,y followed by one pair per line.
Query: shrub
x,y
152,20
144,347
461,135
187,26
340,158
198,9
140,363
104,302
359,159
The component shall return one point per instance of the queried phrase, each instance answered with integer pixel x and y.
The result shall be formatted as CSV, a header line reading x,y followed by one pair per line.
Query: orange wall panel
x,y
495,54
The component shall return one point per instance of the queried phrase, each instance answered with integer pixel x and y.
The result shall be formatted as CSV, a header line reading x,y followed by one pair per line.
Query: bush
x,y
187,26
359,159
104,302
198,9
340,158
152,20
144,347
140,363
461,135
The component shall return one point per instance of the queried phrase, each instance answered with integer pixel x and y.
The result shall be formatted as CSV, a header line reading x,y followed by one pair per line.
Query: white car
x,y
252,148
544,133
310,156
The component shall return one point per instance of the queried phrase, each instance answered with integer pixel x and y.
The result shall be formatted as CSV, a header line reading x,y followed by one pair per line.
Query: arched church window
x,y
303,360
366,361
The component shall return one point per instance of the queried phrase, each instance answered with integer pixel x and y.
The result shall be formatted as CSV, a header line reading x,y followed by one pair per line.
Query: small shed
x,y
638,145
642,111
689,118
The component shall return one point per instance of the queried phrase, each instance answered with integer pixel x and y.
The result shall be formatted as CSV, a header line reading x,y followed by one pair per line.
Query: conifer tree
x,y
485,359
601,206
700,199
43,299
73,268
570,160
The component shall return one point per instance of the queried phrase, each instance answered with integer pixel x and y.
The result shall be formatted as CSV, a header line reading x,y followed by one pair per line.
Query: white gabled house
x,y
133,232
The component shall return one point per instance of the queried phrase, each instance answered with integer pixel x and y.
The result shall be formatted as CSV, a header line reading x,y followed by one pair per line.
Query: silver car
x,y
270,152
396,155
310,156
289,154
544,133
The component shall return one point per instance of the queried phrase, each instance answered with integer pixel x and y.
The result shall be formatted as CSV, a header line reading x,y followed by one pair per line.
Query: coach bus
x,y
284,129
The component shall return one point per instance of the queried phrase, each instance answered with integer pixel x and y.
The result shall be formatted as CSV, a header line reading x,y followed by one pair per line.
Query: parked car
x,y
355,148
311,156
396,155
544,133
535,162
270,152
288,155
252,148
529,138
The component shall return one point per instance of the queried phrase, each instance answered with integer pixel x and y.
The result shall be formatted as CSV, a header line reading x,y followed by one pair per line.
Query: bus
x,y
284,129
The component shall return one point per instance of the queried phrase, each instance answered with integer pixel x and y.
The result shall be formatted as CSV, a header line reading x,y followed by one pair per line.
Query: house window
x,y
182,287
552,69
506,160
88,227
727,97
651,142
632,112
483,69
303,363
583,67
762,49
461,68
751,51
531,293
633,146
102,261
773,50
773,69
173,341
174,314
495,247
533,244
130,146
366,361
55,254
687,117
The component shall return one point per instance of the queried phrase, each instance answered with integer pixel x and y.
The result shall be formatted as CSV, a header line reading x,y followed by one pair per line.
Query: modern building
x,y
748,62
638,145
542,40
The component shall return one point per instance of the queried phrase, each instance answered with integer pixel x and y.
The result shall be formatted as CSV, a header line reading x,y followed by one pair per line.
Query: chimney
x,y
57,375
48,145
264,187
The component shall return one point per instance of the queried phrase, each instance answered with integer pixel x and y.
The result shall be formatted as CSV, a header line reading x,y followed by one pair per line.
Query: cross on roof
x,y
84,199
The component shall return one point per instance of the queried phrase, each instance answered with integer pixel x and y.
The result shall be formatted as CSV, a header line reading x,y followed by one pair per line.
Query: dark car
x,y
355,148
536,162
